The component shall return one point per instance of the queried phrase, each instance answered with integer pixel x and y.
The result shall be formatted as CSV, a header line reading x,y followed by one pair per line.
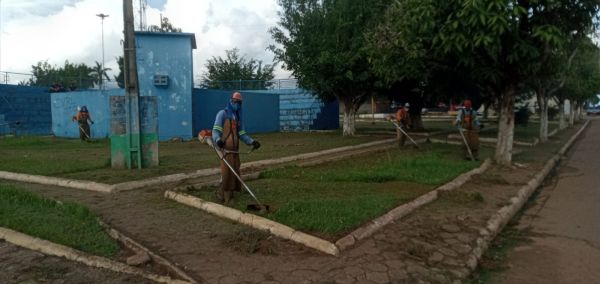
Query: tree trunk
x,y
506,126
543,103
571,113
581,112
486,111
349,118
416,121
561,115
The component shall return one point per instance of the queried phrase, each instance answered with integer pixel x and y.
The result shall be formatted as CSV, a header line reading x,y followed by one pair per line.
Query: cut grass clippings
x,y
67,223
332,199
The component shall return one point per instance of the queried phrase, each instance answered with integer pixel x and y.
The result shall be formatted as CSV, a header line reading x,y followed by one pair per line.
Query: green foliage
x,y
99,74
120,79
583,79
324,45
226,73
165,26
73,76
65,223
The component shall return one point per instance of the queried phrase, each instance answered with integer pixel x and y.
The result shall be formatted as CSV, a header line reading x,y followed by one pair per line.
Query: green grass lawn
x,y
524,133
331,199
366,126
65,223
71,158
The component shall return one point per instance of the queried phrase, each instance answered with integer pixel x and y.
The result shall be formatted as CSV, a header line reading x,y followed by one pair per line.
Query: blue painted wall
x,y
300,110
29,106
260,110
64,107
168,54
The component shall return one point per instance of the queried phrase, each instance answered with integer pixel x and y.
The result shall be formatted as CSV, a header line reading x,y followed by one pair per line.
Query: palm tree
x,y
99,72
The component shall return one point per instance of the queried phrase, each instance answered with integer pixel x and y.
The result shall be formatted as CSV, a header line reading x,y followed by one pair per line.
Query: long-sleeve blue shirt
x,y
472,112
224,114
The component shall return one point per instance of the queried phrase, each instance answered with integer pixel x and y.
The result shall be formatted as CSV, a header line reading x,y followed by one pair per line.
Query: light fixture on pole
x,y
102,16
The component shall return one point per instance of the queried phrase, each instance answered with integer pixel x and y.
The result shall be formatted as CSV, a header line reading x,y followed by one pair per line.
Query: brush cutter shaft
x,y
82,130
404,132
460,130
222,157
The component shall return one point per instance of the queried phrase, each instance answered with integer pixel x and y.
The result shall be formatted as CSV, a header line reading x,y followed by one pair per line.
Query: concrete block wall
x,y
260,110
25,110
300,110
64,107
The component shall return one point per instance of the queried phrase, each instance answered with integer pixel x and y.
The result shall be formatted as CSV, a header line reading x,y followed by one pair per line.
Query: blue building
x,y
164,62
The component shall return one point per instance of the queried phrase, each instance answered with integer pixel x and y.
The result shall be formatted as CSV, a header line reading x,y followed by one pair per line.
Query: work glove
x,y
255,145
220,143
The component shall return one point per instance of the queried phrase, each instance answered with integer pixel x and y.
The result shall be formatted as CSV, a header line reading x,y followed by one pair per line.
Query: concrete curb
x,y
70,183
50,248
256,164
494,140
135,246
497,222
407,208
131,185
254,221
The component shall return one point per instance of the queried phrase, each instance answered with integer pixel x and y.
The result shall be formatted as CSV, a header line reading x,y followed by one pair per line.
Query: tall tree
x,y
500,42
120,79
165,26
583,79
99,74
70,75
323,44
233,70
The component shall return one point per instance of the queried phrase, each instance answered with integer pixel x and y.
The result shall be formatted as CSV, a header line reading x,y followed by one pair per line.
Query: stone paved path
x,y
429,246
563,225
19,265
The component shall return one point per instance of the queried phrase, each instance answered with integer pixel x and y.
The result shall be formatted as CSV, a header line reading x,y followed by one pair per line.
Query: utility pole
x,y
131,88
102,16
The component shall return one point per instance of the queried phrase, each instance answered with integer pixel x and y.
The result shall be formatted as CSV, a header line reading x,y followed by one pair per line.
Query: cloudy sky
x,y
59,30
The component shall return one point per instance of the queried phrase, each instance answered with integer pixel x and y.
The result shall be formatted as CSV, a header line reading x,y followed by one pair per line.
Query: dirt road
x,y
563,223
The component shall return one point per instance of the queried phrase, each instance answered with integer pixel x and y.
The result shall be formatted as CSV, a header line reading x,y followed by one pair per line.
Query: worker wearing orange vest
x,y
228,130
467,120
403,120
82,117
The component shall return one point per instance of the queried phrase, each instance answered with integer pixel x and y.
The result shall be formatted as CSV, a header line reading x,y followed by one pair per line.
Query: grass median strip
x,y
331,199
65,223
73,159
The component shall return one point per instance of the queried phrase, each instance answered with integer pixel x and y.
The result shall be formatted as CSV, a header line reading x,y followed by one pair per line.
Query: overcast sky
x,y
59,30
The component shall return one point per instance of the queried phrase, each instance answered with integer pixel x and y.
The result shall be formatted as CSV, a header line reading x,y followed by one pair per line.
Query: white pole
x,y
102,16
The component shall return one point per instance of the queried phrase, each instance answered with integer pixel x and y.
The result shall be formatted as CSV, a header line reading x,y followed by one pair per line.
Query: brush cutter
x,y
85,133
466,144
406,134
205,136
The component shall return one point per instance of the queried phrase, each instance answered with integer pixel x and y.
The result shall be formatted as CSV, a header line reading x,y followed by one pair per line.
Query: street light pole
x,y
102,16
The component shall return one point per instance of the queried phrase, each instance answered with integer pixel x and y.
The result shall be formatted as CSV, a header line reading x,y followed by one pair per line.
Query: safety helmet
x,y
406,105
467,104
236,96
84,109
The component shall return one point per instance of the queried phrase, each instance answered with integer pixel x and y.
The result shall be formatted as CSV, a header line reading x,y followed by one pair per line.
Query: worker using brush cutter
x,y
82,117
403,120
469,126
227,132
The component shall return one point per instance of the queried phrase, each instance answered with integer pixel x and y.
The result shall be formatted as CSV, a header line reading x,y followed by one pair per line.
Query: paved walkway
x,y
19,265
564,223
